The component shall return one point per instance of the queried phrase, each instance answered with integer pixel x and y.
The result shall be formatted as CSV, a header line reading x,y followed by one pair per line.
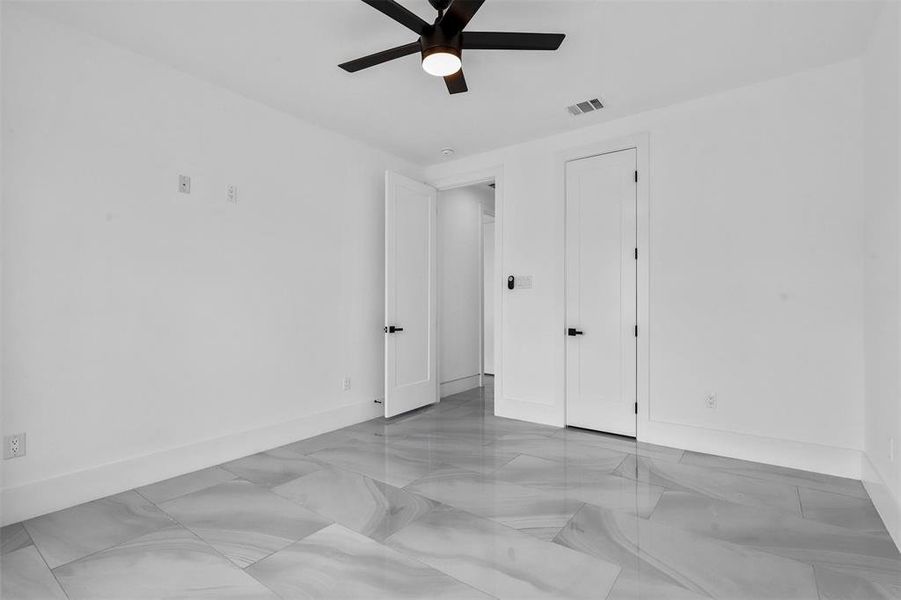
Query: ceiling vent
x,y
580,108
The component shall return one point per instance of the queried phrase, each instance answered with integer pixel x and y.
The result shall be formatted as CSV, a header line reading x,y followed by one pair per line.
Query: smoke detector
x,y
580,108
447,152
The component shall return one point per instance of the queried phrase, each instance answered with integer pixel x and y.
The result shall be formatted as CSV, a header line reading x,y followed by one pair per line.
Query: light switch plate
x,y
522,282
184,184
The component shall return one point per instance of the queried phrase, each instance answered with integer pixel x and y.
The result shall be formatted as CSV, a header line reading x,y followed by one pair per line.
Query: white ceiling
x,y
634,55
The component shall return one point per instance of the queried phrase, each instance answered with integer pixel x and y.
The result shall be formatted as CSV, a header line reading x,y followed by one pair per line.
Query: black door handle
x,y
393,329
573,331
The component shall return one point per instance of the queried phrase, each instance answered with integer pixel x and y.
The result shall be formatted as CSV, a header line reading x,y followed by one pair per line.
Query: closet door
x,y
601,357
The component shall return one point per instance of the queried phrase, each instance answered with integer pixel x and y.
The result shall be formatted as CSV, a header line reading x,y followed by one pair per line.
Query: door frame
x,y
486,175
641,144
482,372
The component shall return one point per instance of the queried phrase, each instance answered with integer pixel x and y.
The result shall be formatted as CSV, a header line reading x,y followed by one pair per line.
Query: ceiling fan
x,y
442,43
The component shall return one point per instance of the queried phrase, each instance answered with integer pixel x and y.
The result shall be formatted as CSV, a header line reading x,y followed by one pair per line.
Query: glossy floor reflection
x,y
453,502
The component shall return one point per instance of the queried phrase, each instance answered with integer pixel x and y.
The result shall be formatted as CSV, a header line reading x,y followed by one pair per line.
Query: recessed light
x,y
447,151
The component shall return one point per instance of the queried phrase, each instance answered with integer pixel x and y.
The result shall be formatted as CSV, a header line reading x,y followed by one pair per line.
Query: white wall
x,y
148,333
459,286
882,303
491,281
755,268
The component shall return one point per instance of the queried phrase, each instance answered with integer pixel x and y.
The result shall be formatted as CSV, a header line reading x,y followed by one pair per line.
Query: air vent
x,y
580,108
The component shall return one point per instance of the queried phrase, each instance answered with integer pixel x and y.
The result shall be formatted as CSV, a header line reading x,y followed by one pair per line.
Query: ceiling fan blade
x,y
511,40
400,14
456,83
352,66
458,14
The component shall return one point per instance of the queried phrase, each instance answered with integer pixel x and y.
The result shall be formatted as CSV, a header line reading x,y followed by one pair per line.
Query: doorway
x,y
601,292
435,290
464,280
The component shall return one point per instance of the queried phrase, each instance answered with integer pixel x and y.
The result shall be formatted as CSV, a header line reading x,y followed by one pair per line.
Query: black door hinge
x,y
636,176
636,331
636,408
636,254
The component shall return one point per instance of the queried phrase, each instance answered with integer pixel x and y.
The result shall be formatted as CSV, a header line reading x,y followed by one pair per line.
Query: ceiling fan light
x,y
441,62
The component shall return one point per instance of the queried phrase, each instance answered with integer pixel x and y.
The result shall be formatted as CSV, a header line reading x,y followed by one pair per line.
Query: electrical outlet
x,y
14,445
184,184
346,383
231,194
710,401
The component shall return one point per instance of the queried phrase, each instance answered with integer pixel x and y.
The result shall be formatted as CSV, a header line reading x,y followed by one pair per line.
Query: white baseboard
x,y
40,497
830,460
842,462
455,386
887,504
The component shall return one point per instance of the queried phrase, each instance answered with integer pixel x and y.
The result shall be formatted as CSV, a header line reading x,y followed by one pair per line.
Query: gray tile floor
x,y
452,502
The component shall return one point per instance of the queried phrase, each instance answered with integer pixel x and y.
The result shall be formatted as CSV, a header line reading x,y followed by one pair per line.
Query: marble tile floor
x,y
453,502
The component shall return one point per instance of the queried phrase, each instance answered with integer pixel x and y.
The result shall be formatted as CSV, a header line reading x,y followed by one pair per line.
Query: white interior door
x,y
601,197
411,285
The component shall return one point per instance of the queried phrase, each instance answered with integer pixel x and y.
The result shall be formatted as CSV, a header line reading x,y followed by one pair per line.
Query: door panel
x,y
601,292
411,365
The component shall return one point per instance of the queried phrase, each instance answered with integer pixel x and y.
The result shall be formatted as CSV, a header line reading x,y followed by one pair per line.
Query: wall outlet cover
x,y
14,445
184,184
710,401
231,194
346,383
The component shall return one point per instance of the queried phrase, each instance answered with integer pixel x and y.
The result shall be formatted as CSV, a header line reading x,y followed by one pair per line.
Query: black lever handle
x,y
393,329
573,331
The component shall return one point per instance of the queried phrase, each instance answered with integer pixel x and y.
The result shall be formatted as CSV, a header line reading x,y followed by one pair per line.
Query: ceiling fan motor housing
x,y
435,40
440,5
